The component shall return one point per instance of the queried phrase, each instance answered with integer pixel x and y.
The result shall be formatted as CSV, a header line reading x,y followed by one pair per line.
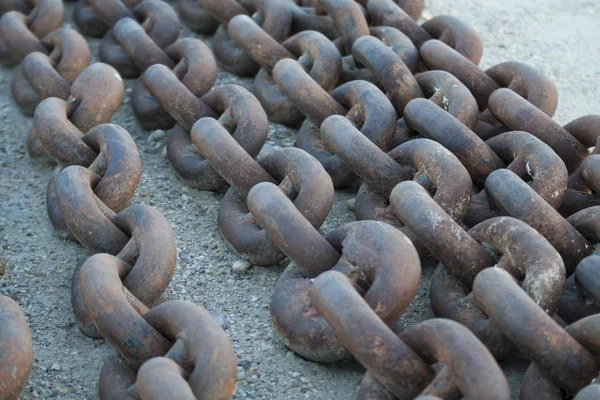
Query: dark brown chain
x,y
456,164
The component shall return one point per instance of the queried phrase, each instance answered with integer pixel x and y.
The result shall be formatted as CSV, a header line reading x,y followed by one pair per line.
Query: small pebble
x,y
156,136
351,204
240,267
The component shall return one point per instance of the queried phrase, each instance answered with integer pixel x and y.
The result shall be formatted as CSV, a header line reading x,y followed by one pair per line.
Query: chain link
x,y
456,165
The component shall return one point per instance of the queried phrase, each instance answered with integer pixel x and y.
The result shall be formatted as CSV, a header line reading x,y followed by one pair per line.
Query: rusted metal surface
x,y
312,49
402,363
300,177
193,65
397,42
518,114
519,200
359,101
195,17
568,363
88,198
58,125
196,352
135,42
237,110
42,76
21,34
457,164
16,351
386,287
534,162
464,39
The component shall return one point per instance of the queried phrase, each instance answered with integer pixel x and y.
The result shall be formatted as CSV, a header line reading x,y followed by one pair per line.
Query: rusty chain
x,y
463,166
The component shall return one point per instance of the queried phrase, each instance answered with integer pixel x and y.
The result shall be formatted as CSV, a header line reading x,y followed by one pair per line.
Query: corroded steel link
x,y
195,17
131,47
446,28
447,92
518,77
392,38
348,18
586,129
394,76
313,50
395,364
524,252
581,193
401,363
574,305
518,114
473,372
534,162
587,223
42,76
178,101
587,279
111,11
21,34
179,330
451,298
230,160
456,34
96,95
388,13
95,17
527,256
314,102
230,56
528,82
279,213
87,21
581,297
444,237
423,160
519,200
16,350
201,355
84,196
306,18
14,5
584,186
115,312
274,16
224,10
162,378
435,123
150,253
414,8
360,101
568,362
537,381
388,288
301,177
438,55
240,117
194,66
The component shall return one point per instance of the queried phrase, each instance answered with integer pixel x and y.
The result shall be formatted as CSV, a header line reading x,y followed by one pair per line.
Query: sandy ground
x,y
555,36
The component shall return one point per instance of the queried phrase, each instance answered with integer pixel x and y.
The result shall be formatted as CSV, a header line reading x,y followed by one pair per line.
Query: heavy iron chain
x,y
456,164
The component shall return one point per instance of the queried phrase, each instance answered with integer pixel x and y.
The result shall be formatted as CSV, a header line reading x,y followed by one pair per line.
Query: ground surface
x,y
558,37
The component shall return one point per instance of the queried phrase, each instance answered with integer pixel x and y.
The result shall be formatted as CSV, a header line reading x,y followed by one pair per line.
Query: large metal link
x,y
436,152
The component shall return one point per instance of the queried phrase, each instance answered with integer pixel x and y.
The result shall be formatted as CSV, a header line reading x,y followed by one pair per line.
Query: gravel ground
x,y
555,36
